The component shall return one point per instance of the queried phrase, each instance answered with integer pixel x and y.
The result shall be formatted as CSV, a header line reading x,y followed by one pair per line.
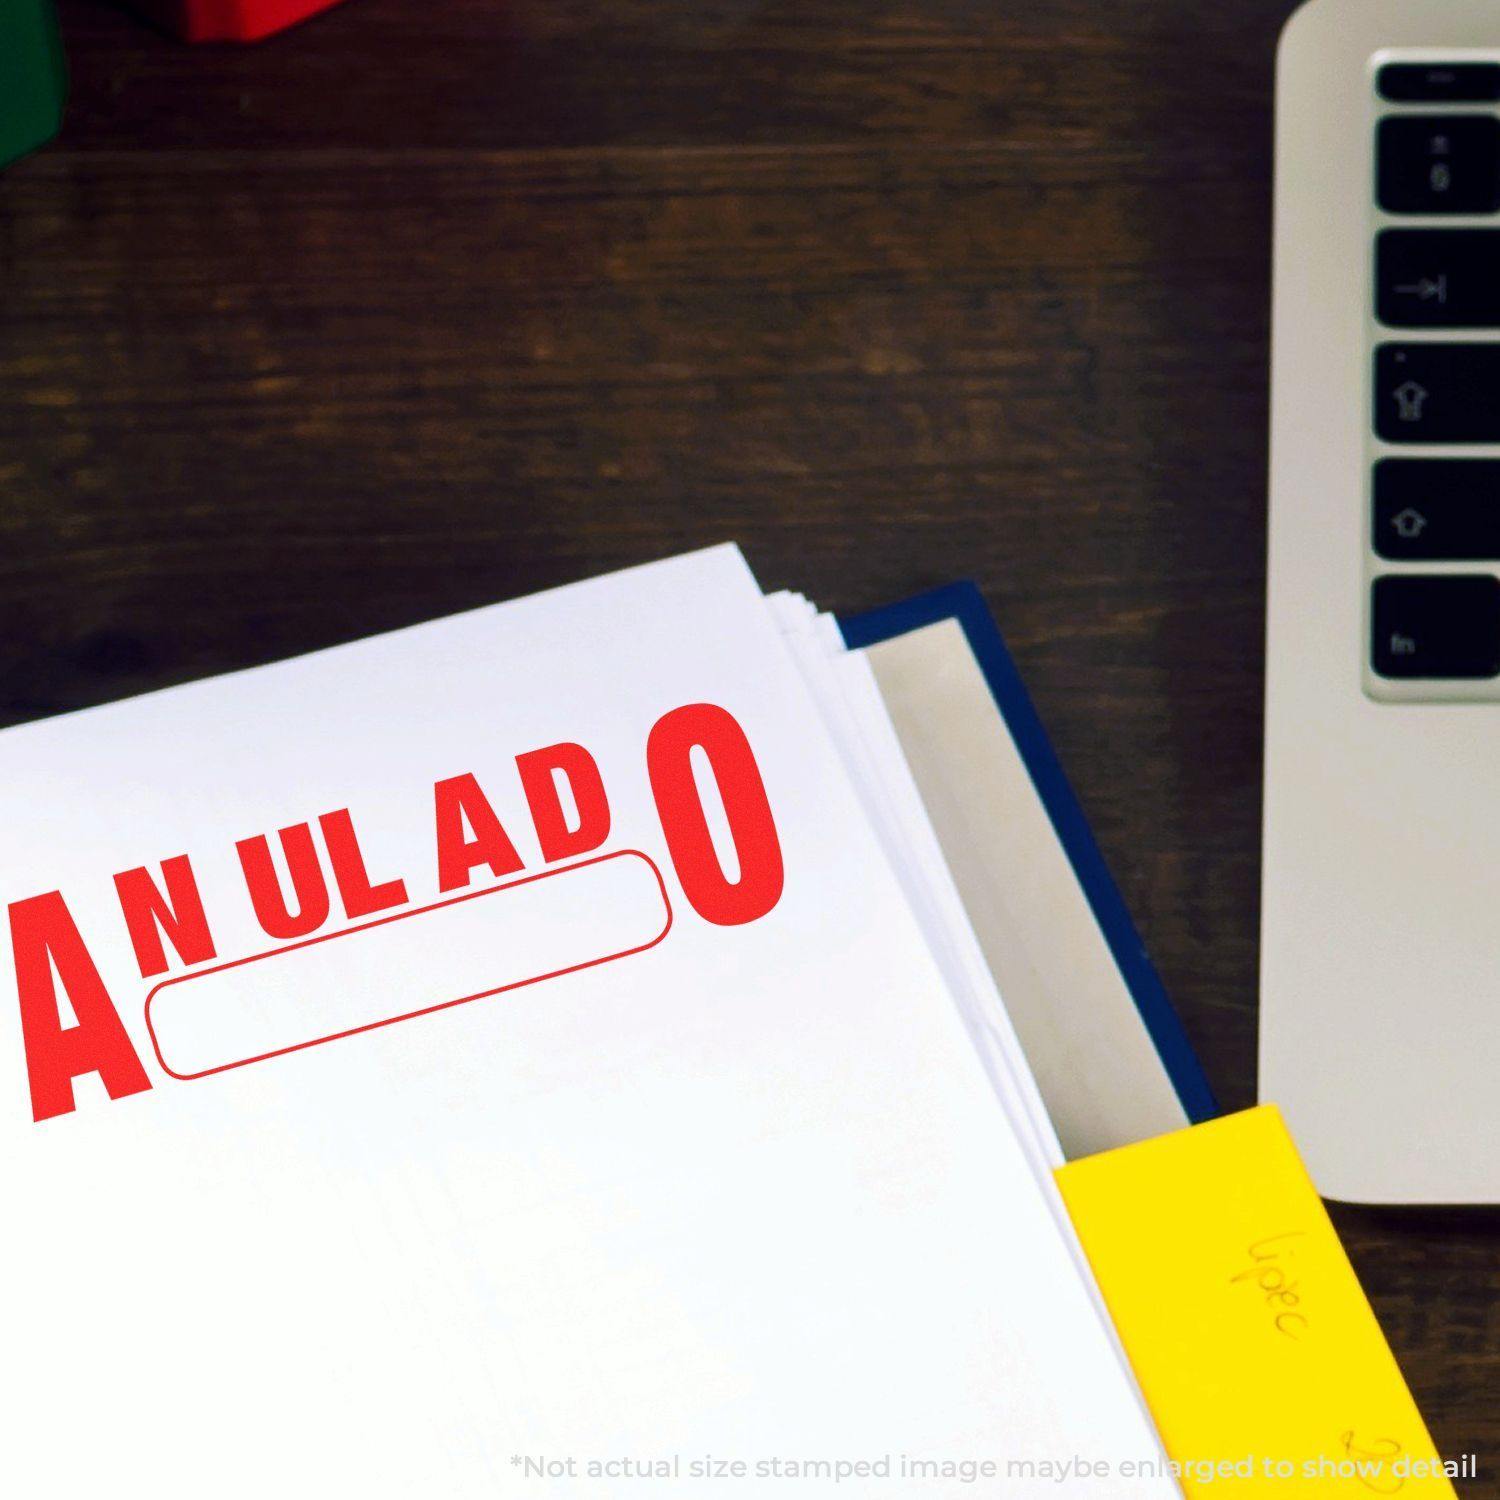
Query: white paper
x,y
746,1191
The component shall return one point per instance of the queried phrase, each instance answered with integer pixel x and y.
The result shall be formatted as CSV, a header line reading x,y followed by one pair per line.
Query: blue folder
x,y
964,604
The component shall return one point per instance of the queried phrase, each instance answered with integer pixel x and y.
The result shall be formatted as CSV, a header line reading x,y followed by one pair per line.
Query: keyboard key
x,y
1436,627
1437,509
1439,164
1438,278
1439,83
1437,393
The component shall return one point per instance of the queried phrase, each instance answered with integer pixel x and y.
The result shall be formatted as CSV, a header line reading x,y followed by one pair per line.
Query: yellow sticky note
x,y
1257,1350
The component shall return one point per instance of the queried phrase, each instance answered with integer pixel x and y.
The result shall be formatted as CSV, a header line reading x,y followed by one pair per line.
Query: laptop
x,y
1380,978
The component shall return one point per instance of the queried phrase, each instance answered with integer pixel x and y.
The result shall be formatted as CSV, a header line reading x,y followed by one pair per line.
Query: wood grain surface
x,y
433,302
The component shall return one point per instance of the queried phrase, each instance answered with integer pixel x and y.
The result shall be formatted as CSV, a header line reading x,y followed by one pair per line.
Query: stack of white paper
x,y
537,1052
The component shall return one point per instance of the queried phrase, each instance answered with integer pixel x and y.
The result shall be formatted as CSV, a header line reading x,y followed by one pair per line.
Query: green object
x,y
33,77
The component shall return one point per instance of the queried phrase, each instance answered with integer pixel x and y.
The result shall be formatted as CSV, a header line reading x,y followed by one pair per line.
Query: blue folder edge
x,y
964,603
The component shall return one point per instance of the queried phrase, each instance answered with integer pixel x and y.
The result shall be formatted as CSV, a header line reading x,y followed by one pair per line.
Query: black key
x,y
1439,83
1437,393
1439,164
1437,509
1436,627
1438,278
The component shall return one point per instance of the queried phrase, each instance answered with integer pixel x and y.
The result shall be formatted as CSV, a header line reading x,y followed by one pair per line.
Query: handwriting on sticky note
x,y
1269,1272
1244,1321
1375,1462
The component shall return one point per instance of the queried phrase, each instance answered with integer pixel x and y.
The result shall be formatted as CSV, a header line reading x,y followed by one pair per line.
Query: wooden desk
x,y
428,304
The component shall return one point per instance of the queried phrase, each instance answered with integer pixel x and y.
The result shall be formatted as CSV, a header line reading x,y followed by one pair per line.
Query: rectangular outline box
x,y
404,916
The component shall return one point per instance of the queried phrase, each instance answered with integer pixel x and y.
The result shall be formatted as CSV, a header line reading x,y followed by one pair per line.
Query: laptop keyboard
x,y
1436,382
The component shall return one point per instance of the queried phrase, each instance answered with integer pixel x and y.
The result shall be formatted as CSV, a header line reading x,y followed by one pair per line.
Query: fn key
x,y
1445,626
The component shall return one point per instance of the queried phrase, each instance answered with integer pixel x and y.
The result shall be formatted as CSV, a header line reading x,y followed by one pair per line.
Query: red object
x,y
229,20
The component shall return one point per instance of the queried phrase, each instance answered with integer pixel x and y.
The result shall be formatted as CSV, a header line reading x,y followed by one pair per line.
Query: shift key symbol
x,y
1409,524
